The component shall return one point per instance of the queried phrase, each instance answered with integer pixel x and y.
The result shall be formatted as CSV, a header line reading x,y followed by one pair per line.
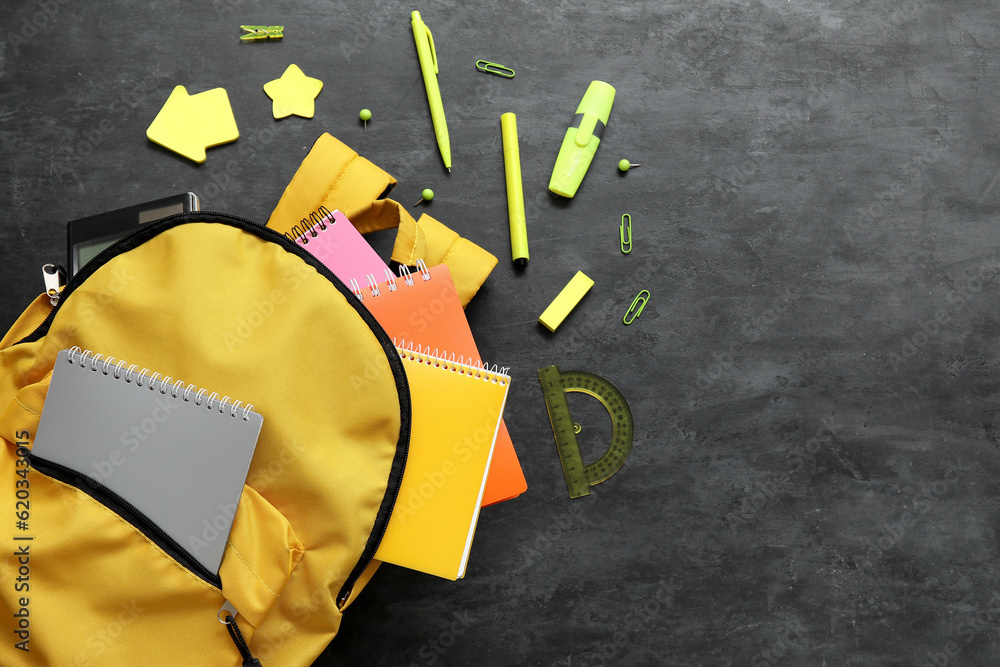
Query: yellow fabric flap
x,y
334,176
29,320
331,175
261,552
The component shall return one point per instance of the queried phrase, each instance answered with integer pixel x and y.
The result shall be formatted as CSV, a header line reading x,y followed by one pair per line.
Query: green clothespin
x,y
262,31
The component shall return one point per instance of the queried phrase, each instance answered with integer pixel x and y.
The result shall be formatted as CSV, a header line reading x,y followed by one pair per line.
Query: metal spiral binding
x,y
472,368
407,275
424,271
95,363
404,273
305,228
373,285
356,289
391,280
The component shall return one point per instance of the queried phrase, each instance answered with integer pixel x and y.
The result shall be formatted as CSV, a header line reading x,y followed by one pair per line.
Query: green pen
x,y
582,138
429,68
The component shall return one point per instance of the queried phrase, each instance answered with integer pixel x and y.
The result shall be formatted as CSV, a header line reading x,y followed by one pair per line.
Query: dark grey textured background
x,y
814,382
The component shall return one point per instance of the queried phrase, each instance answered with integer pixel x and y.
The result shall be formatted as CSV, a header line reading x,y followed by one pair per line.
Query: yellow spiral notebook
x,y
456,411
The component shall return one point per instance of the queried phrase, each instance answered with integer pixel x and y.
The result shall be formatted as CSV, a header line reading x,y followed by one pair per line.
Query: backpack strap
x,y
431,241
334,176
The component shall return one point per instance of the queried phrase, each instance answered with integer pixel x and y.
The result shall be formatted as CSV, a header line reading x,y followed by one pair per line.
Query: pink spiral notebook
x,y
340,246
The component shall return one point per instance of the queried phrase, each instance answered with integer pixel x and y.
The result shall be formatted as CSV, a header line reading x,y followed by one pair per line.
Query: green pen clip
x,y
625,233
494,68
262,32
640,300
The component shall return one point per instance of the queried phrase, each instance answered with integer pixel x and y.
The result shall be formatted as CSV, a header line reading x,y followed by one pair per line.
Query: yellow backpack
x,y
235,307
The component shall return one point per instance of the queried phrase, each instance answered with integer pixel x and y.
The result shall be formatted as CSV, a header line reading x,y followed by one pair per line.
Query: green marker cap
x,y
582,138
595,107
597,100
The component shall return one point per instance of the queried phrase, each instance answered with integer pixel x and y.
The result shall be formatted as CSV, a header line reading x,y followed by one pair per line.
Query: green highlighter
x,y
582,139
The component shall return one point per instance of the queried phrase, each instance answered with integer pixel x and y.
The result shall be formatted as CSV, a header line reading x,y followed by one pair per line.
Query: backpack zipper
x,y
54,277
127,511
227,617
152,229
114,249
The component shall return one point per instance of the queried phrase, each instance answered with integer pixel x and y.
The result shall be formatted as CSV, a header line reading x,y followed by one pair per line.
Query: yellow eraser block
x,y
566,301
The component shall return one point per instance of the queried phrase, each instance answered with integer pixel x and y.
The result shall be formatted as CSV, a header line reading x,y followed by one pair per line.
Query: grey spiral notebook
x,y
176,453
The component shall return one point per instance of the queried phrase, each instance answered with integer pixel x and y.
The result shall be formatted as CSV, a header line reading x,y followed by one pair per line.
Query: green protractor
x,y
555,386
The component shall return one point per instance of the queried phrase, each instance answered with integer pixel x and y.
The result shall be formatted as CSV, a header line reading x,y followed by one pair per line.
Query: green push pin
x,y
366,116
426,195
625,165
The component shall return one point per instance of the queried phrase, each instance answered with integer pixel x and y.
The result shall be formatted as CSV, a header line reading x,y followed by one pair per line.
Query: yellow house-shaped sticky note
x,y
189,124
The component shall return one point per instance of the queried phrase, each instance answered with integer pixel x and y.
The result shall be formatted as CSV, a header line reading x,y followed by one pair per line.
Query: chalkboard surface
x,y
814,379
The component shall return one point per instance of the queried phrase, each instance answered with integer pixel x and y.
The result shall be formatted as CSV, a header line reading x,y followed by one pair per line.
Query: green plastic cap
x,y
597,100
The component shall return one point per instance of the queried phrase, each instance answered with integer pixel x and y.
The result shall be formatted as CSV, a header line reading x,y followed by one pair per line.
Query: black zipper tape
x,y
152,229
127,511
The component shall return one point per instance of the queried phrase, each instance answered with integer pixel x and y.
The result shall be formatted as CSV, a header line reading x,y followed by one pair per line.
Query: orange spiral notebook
x,y
423,308
455,413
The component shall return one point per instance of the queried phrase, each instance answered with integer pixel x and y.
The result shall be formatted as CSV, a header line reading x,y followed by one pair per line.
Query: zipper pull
x,y
227,616
55,279
344,597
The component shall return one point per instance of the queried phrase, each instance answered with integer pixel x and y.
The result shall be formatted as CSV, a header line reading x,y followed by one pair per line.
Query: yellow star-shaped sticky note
x,y
188,124
294,93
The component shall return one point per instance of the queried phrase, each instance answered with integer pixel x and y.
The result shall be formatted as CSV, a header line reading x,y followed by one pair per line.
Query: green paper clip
x,y
494,68
634,312
262,32
625,233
